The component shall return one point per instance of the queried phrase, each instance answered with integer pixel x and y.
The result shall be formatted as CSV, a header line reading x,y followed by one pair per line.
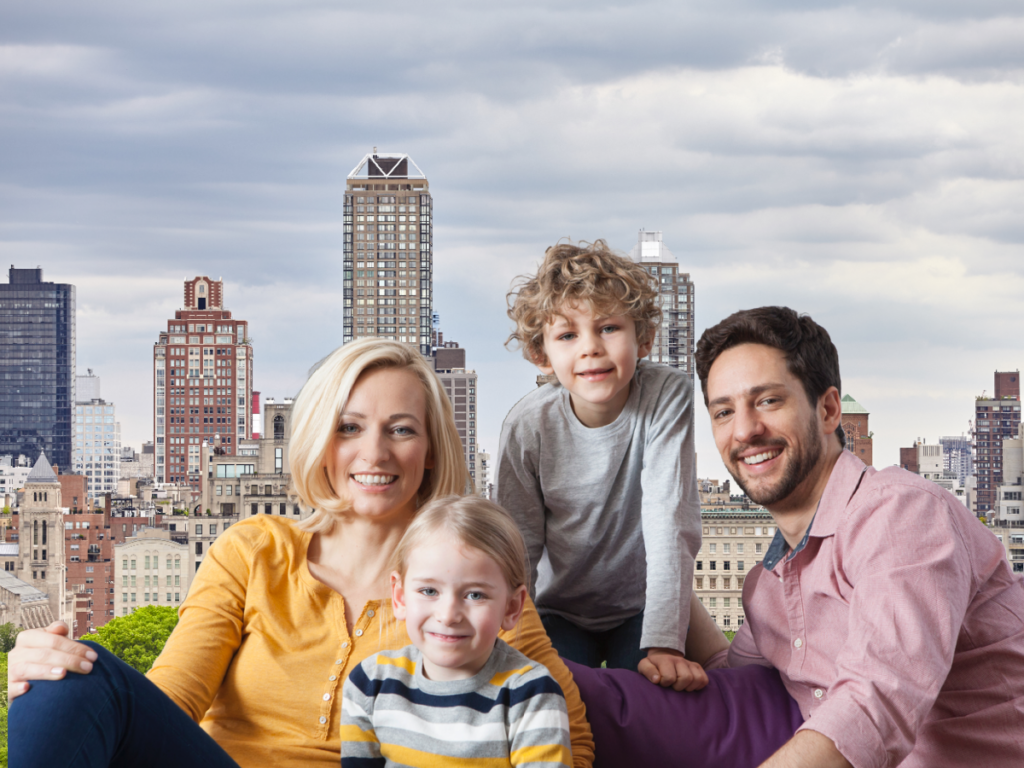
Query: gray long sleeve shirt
x,y
610,515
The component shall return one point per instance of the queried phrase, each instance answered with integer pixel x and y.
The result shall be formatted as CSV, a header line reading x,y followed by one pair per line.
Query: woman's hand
x,y
45,654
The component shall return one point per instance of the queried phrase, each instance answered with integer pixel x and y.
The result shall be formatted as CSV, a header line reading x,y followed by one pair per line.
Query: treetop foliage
x,y
138,638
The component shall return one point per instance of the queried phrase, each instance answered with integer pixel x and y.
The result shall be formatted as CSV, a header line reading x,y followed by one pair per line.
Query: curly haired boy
x,y
598,469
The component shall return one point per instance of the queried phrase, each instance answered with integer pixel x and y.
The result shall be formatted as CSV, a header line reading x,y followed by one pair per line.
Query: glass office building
x,y
37,367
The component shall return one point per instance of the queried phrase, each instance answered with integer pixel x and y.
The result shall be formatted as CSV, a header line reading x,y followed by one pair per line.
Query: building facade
x,y
854,421
255,481
734,541
202,384
14,471
673,342
957,457
460,384
388,251
37,366
97,438
996,418
930,462
41,557
150,568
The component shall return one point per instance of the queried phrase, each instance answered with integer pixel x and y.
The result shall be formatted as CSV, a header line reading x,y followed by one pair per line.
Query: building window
x,y
199,547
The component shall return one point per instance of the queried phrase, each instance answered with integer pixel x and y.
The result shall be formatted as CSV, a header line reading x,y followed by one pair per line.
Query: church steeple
x,y
41,560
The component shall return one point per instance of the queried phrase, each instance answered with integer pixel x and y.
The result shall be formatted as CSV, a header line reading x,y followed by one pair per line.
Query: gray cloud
x,y
857,162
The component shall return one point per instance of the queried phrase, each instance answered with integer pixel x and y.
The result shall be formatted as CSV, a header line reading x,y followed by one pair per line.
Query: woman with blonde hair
x,y
279,613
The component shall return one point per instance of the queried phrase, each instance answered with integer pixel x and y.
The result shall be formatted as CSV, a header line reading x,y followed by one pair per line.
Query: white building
x,y
733,542
1009,503
933,465
673,342
150,569
13,473
96,448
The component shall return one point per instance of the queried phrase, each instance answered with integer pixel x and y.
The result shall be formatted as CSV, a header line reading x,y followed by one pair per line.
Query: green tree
x,y
3,710
8,634
138,638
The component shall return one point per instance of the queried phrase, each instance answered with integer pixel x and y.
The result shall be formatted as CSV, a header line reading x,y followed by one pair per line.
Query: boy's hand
x,y
668,667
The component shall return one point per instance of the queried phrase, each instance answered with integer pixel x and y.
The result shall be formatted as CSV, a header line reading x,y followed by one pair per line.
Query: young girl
x,y
458,691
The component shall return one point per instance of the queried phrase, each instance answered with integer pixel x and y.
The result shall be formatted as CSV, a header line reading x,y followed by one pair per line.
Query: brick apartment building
x,y
89,541
996,419
855,424
202,384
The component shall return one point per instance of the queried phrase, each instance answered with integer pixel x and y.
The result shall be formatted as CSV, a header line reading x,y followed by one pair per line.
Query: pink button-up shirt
x,y
898,626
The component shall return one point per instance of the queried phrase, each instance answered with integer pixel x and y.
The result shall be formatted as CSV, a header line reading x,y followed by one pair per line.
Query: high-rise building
x,y
957,458
460,384
388,251
673,342
97,439
37,366
996,418
202,384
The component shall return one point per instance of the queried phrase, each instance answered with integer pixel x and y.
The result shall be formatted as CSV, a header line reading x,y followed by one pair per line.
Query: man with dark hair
x,y
891,613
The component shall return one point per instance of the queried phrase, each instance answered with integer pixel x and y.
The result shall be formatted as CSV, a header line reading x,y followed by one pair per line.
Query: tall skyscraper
x,y
202,384
673,342
37,366
388,251
461,385
97,440
996,418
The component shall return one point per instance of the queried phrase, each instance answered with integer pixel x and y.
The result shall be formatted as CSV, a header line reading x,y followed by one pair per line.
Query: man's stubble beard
x,y
798,466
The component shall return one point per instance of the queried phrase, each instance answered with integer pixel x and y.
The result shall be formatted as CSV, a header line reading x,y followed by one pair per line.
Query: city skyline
x,y
852,162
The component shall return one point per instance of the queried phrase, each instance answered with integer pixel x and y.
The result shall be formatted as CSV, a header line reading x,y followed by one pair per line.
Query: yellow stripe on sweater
x,y
355,733
543,753
500,678
407,664
419,759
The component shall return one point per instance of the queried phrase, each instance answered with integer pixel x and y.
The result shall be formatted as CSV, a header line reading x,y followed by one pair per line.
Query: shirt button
x,y
323,720
345,644
370,613
798,643
338,661
334,677
327,697
359,633
818,693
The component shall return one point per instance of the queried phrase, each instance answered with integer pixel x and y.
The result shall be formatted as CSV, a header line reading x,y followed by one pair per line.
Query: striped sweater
x,y
511,712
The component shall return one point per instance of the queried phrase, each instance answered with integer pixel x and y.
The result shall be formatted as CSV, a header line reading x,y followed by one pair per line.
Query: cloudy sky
x,y
859,162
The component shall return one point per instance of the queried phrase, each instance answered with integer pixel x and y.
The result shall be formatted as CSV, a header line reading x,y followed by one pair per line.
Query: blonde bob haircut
x,y
472,521
585,275
315,422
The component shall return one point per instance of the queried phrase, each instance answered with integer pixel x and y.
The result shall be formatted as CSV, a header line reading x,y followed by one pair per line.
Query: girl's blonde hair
x,y
474,522
315,422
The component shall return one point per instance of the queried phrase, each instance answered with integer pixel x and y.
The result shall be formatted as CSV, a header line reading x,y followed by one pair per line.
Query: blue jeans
x,y
112,716
618,646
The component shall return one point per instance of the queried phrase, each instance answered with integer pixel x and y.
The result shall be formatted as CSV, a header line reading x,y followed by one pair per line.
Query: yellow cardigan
x,y
261,651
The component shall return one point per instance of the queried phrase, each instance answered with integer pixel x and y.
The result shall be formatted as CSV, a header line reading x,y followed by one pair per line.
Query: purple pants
x,y
741,718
